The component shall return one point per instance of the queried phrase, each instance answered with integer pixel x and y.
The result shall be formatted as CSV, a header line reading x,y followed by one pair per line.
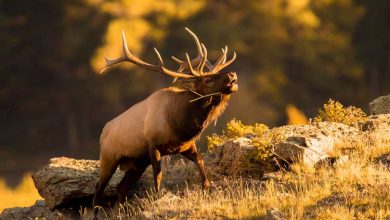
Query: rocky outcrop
x,y
66,180
311,144
231,159
39,210
380,105
377,129
306,143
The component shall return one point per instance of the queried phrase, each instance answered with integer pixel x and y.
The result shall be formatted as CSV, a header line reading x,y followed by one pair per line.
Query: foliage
x,y
263,139
235,129
334,111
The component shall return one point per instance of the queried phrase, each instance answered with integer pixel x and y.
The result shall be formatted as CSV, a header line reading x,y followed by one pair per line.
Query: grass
x,y
25,194
358,188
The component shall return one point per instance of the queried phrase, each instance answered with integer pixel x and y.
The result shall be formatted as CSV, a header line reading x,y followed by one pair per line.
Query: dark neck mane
x,y
189,119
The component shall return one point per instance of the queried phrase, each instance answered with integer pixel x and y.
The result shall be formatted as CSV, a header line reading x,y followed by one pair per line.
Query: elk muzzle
x,y
233,83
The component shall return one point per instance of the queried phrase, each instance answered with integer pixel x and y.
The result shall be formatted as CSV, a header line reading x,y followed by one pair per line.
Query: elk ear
x,y
186,83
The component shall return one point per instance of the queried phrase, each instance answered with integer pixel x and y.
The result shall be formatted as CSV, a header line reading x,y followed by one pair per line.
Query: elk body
x,y
168,122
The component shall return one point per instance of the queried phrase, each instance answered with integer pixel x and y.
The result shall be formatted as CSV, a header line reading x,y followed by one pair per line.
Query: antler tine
x,y
129,57
198,59
184,65
223,65
221,59
159,57
201,53
226,51
177,60
193,72
197,42
203,62
167,71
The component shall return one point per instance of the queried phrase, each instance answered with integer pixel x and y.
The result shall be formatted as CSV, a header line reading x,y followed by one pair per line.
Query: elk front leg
x,y
155,158
193,155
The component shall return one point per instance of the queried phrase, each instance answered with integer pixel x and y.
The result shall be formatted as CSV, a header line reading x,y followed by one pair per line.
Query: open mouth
x,y
232,86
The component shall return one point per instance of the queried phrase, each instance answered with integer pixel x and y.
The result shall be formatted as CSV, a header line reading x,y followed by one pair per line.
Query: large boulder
x,y
306,143
231,158
311,144
380,105
66,181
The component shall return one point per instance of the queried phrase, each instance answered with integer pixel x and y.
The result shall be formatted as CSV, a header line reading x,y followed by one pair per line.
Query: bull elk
x,y
168,122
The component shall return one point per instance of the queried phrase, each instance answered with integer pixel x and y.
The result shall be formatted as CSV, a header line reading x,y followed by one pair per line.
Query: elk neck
x,y
189,119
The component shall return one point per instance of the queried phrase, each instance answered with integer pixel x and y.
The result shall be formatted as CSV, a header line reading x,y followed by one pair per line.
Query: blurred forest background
x,y
293,55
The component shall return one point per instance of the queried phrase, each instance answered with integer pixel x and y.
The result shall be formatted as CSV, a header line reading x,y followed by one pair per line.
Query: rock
x,y
67,181
332,161
377,128
231,158
384,159
38,210
274,214
304,143
342,134
380,105
314,145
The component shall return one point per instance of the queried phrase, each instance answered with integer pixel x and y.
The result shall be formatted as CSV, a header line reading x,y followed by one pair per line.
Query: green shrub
x,y
334,111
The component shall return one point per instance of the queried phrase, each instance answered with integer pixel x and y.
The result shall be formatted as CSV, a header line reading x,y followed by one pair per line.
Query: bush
x,y
263,139
334,111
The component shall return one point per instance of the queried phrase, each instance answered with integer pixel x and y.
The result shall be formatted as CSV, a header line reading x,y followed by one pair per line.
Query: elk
x,y
167,122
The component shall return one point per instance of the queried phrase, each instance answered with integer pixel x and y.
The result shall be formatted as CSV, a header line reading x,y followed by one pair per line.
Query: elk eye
x,y
207,80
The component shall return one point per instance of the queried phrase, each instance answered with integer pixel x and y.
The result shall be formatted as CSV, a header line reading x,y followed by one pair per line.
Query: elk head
x,y
190,75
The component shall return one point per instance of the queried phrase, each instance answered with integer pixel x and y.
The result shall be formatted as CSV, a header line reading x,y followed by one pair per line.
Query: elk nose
x,y
232,76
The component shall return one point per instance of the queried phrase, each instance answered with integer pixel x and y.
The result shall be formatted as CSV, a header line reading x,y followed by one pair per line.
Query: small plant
x,y
334,111
264,145
235,129
263,139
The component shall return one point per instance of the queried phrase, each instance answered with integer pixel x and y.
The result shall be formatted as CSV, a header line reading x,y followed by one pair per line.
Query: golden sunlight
x,y
25,194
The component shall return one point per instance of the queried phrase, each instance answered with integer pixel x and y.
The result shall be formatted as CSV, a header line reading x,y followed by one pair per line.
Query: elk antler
x,y
129,57
201,61
197,60
202,54
221,62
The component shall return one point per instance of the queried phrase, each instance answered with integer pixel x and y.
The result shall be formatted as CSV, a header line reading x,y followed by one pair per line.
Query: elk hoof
x,y
206,184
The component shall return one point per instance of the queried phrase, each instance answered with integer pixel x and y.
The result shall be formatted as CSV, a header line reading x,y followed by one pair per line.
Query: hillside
x,y
322,170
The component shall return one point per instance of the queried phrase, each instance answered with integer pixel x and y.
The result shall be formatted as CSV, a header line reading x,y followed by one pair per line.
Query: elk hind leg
x,y
133,172
106,170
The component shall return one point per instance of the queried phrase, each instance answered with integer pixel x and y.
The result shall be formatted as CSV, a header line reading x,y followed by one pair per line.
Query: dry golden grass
x,y
24,194
358,188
